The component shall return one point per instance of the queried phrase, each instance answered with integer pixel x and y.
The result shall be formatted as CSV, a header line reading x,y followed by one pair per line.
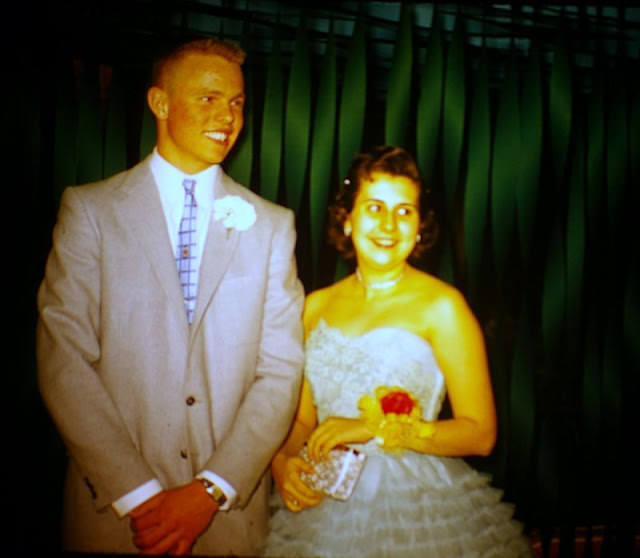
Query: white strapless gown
x,y
407,504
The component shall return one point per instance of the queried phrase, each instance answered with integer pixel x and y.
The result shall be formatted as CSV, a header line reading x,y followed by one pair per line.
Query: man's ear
x,y
158,102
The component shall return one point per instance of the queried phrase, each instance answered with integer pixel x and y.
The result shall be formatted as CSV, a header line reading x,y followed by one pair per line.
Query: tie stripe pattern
x,y
186,249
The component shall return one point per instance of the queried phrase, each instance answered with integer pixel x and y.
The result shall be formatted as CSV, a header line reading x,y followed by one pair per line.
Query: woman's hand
x,y
399,434
335,431
295,494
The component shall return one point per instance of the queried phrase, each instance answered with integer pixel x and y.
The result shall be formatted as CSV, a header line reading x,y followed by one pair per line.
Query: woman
x,y
389,325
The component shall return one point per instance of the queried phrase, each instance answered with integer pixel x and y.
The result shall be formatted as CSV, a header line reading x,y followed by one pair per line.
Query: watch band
x,y
215,492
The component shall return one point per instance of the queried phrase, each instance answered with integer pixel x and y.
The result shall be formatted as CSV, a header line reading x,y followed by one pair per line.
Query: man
x,y
169,339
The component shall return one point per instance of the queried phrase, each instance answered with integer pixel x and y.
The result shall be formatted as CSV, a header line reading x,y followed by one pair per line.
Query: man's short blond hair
x,y
228,51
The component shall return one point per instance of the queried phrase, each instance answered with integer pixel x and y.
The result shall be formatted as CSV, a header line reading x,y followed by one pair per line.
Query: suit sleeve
x,y
267,411
68,356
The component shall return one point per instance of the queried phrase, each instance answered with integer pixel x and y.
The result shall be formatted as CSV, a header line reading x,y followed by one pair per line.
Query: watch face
x,y
214,491
218,495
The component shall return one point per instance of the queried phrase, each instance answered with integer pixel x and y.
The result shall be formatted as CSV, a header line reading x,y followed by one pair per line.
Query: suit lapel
x,y
218,250
141,212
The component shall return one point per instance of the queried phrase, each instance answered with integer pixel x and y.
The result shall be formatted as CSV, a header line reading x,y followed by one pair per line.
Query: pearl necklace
x,y
382,284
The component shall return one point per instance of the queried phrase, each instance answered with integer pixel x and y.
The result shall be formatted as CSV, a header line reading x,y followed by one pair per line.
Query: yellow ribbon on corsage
x,y
394,414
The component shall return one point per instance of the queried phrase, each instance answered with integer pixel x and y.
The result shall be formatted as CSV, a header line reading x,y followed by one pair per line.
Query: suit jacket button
x,y
191,400
183,454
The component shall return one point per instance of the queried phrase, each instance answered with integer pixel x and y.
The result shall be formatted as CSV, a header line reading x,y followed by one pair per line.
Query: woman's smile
x,y
384,242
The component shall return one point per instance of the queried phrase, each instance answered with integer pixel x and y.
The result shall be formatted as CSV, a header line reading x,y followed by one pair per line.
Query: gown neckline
x,y
322,323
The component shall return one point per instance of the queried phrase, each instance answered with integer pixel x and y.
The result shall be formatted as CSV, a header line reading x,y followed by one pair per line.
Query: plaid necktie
x,y
185,252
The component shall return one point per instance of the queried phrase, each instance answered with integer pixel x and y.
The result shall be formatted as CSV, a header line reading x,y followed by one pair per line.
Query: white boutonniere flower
x,y
235,213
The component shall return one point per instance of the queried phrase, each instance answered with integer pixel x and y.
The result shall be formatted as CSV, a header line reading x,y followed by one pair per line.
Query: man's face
x,y
204,111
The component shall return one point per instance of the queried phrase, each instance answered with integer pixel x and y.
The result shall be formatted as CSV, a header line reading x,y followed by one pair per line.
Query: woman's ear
x,y
347,227
158,102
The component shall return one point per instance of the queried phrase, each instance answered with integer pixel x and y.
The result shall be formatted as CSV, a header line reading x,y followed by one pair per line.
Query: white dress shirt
x,y
169,182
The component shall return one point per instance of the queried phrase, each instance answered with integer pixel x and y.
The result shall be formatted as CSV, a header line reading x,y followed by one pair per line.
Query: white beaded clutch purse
x,y
337,475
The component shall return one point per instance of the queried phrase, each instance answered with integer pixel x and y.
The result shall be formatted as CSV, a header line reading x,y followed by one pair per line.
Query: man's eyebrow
x,y
218,93
210,92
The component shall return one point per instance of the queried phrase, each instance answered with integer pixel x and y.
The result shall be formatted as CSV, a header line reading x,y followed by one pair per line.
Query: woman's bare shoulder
x,y
439,299
434,287
317,301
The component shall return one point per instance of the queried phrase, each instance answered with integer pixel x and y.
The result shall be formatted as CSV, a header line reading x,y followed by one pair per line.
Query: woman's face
x,y
384,221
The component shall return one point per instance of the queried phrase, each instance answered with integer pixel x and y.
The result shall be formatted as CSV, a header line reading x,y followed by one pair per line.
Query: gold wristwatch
x,y
214,491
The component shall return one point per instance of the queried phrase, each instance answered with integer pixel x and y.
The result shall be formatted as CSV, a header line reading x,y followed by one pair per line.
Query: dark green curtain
x,y
530,158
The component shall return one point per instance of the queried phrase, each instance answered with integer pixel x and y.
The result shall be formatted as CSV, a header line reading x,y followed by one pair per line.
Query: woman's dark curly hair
x,y
393,161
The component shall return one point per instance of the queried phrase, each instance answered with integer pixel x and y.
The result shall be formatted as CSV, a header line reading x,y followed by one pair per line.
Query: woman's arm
x,y
459,349
304,423
286,465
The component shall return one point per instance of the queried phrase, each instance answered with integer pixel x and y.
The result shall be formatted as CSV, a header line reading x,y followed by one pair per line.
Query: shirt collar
x,y
169,180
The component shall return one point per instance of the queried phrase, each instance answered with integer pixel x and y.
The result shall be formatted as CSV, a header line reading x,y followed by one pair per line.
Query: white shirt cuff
x,y
137,496
228,490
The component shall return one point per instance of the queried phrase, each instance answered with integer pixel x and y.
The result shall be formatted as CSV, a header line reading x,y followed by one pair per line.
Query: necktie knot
x,y
189,186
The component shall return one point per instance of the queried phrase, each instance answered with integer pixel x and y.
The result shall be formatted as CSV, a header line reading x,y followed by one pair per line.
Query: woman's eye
x,y
404,211
374,207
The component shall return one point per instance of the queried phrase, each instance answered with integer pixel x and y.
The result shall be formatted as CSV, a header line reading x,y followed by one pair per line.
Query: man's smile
x,y
218,136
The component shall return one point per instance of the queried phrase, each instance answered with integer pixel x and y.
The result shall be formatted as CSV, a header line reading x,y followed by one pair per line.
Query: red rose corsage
x,y
394,414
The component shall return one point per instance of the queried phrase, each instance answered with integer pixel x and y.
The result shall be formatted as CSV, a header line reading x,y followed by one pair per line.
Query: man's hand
x,y
170,522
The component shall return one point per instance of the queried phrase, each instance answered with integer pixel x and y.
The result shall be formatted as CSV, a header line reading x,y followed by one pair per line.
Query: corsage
x,y
394,414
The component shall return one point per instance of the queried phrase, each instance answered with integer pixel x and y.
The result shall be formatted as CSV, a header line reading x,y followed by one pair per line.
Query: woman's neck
x,y
380,281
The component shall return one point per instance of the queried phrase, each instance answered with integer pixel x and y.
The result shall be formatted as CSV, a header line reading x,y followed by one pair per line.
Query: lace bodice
x,y
341,369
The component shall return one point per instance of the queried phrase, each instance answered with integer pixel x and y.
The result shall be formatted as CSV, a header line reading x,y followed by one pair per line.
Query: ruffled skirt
x,y
411,506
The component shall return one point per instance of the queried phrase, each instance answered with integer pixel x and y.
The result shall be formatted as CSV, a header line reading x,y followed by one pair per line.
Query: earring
x,y
347,229
418,238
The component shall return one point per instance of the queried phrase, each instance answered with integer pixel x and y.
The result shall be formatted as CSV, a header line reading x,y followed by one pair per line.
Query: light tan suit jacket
x,y
118,362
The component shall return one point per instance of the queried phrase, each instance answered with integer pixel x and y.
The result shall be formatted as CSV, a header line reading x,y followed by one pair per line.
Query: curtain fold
x,y
400,77
323,150
353,98
429,110
506,166
476,194
297,120
65,156
272,127
115,145
531,144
